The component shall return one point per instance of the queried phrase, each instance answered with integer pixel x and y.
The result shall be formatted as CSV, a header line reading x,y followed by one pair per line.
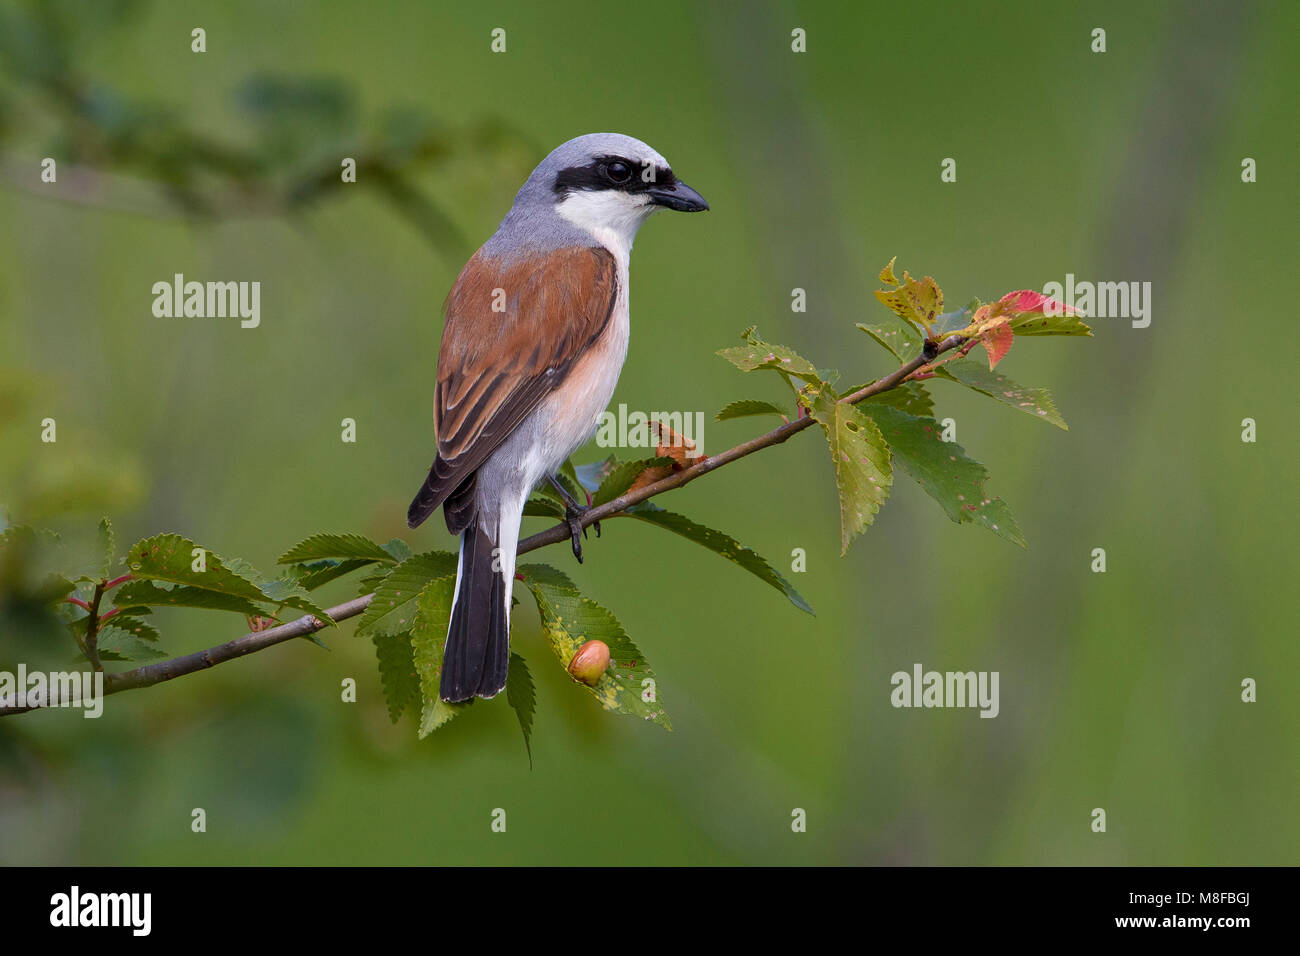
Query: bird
x,y
534,340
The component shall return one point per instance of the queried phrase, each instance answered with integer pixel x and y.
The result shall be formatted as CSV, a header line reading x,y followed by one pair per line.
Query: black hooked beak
x,y
678,196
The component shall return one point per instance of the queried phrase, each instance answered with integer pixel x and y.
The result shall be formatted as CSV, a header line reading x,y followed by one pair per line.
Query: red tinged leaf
x,y
997,341
993,329
1027,300
1031,313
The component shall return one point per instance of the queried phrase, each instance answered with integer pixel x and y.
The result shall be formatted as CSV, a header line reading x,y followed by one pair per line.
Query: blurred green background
x,y
1118,690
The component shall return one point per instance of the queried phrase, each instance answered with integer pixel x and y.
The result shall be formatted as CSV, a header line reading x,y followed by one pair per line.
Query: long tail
x,y
477,654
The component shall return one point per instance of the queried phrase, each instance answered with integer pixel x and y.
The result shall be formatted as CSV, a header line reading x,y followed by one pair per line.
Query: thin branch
x,y
150,674
92,629
776,436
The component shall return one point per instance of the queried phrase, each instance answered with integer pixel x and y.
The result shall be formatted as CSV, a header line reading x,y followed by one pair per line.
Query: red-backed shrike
x,y
535,337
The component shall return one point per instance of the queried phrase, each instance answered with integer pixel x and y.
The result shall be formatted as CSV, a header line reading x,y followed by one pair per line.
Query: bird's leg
x,y
573,513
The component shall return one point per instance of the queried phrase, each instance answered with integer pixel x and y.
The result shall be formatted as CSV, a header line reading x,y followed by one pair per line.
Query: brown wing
x,y
495,367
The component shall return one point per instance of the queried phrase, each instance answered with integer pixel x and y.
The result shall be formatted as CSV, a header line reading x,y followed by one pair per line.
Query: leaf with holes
x,y
900,338
757,354
569,620
917,301
1032,401
863,475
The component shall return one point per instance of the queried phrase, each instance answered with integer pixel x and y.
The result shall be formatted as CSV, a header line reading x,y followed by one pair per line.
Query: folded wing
x,y
513,332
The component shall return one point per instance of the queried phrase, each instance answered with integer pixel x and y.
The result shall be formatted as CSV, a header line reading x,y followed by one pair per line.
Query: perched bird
x,y
535,337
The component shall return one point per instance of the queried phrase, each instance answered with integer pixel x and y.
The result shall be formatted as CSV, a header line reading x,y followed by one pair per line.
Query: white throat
x,y
608,216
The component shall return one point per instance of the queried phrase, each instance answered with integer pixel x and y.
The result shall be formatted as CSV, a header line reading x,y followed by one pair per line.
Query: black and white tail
x,y
477,654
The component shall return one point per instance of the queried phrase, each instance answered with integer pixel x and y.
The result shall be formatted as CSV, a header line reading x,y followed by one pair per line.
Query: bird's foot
x,y
573,513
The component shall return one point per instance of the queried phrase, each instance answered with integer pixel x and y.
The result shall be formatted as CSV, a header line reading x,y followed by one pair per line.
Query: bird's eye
x,y
618,172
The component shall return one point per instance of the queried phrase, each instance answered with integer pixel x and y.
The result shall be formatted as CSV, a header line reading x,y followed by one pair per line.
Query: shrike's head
x,y
606,185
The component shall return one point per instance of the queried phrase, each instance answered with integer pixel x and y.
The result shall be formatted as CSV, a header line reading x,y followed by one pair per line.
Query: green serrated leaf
x,y
138,610
169,559
571,485
428,638
900,338
543,506
282,591
397,672
543,575
722,544
522,696
139,630
1035,323
569,620
917,301
107,547
393,609
316,573
398,549
757,354
338,546
548,491
978,376
747,407
369,584
622,477
863,475
434,713
910,397
955,320
570,472
154,595
119,645
943,471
